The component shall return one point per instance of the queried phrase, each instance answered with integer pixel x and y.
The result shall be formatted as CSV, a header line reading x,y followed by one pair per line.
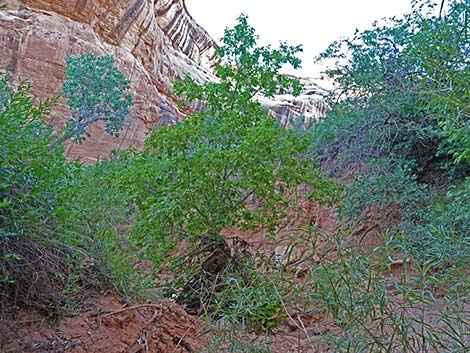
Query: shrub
x,y
382,182
31,172
441,48
198,177
35,269
255,304
440,236
228,165
58,236
44,274
403,85
381,310
99,222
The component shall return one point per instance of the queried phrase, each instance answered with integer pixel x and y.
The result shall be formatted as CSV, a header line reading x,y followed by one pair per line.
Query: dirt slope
x,y
106,324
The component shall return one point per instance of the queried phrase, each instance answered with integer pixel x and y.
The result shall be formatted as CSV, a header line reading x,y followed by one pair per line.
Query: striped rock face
x,y
154,43
174,19
310,105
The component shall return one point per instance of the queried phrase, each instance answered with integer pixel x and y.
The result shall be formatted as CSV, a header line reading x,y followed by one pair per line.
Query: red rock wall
x,y
37,36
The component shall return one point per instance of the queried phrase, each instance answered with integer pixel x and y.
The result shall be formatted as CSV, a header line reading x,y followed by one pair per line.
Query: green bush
x,y
99,223
357,130
36,270
31,172
441,49
440,236
403,86
381,310
399,118
53,224
382,182
252,304
196,178
230,165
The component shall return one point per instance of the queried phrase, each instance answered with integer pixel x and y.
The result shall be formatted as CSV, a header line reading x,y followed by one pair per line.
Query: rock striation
x,y
310,103
154,43
193,40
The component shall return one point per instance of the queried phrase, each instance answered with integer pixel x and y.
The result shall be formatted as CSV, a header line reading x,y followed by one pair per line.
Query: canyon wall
x,y
310,103
154,42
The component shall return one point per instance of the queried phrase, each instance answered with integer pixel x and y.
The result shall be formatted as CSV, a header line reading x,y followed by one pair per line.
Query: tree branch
x,y
442,6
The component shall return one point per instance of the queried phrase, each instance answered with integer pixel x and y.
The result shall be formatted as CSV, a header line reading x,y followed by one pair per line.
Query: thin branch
x,y
255,93
131,308
203,215
243,200
301,326
225,177
442,6
157,313
185,333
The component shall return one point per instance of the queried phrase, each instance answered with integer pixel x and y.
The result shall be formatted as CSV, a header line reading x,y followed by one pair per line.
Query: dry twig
x,y
131,308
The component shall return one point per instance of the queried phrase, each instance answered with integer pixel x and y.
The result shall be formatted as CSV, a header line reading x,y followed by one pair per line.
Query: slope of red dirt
x,y
106,324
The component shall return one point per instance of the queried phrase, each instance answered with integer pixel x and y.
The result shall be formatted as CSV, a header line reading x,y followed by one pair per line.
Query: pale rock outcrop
x,y
310,103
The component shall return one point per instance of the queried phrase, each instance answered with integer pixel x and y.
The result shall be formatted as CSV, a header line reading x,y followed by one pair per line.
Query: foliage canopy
x,y
406,86
95,90
30,171
208,167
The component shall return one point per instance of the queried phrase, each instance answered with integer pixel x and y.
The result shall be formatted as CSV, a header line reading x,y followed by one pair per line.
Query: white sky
x,y
312,23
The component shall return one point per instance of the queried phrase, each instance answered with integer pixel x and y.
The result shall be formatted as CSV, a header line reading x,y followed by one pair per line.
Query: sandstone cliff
x,y
154,43
310,103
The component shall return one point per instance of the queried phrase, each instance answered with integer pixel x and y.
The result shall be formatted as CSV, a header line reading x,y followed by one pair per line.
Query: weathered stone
x,y
194,41
310,103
